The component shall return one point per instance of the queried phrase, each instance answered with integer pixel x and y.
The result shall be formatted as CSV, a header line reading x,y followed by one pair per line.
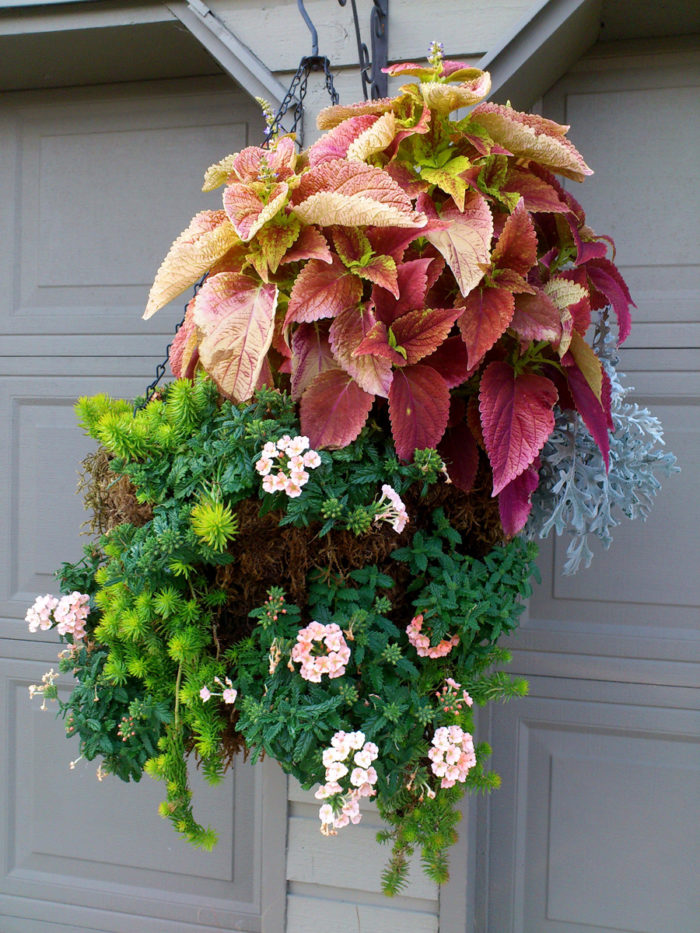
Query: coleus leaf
x,y
335,143
355,250
380,342
247,165
322,290
516,419
448,178
580,310
374,139
419,406
334,409
450,360
486,316
275,239
466,243
348,330
588,363
412,283
564,293
515,501
183,353
209,236
311,356
311,244
517,245
461,456
332,116
444,98
248,211
594,415
418,333
532,137
536,317
352,193
607,281
236,316
392,241
537,193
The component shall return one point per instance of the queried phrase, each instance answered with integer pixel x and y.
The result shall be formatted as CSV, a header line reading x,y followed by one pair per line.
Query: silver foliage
x,y
575,494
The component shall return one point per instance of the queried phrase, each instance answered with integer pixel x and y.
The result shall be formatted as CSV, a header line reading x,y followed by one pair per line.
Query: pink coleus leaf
x,y
419,407
516,419
486,315
311,356
274,240
183,353
248,211
355,249
607,281
517,245
370,371
350,243
374,139
412,282
420,332
209,236
461,456
450,360
536,192
594,414
531,136
352,193
580,310
247,165
392,241
322,290
334,409
236,316
335,143
466,243
332,116
515,501
377,343
536,317
311,244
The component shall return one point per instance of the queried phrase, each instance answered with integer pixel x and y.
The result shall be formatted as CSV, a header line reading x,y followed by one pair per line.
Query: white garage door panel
x,y
102,180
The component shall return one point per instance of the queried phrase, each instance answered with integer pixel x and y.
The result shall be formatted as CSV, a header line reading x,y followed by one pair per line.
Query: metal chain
x,y
293,102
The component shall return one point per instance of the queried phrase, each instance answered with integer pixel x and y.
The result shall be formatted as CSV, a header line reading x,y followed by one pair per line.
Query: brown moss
x,y
110,499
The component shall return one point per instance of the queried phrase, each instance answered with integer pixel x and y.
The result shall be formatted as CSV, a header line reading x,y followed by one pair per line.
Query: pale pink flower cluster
x,y
293,460
68,613
391,509
452,755
349,759
422,643
449,696
228,693
331,662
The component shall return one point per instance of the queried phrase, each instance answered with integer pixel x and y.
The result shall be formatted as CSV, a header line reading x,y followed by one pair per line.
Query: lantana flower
x,y
228,692
68,614
346,749
391,509
331,662
293,459
452,755
422,643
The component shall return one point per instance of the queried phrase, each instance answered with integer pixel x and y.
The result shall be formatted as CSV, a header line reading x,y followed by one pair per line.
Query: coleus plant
x,y
432,266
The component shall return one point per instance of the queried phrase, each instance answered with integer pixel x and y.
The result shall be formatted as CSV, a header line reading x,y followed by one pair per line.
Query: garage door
x,y
94,185
596,827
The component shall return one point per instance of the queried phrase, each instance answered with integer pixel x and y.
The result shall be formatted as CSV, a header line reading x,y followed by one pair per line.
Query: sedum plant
x,y
310,543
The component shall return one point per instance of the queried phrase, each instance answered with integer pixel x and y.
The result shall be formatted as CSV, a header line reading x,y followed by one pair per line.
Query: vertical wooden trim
x,y
273,875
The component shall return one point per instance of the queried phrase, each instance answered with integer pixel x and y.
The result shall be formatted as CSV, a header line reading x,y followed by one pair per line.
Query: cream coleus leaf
x,y
374,139
209,236
248,211
588,363
235,314
466,242
353,194
532,137
332,116
563,293
444,98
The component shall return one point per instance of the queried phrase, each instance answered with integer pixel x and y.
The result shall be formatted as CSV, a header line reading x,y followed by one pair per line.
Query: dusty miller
x,y
575,494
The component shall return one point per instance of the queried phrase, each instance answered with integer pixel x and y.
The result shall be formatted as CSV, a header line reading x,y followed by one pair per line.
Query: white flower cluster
x,y
293,460
331,662
68,613
391,509
452,755
357,775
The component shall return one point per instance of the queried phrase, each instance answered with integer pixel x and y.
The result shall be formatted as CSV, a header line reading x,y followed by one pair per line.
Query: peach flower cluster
x,y
452,755
293,460
348,760
449,696
331,661
422,643
391,509
228,692
69,614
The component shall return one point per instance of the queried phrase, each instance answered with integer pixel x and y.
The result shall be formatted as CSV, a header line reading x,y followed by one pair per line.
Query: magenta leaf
x,y
335,144
333,409
537,193
419,406
412,281
371,372
514,501
182,349
450,360
461,455
516,418
594,414
486,316
322,290
311,356
310,244
376,343
606,279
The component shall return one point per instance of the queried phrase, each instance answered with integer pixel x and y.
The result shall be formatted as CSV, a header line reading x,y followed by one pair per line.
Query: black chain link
x,y
293,102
